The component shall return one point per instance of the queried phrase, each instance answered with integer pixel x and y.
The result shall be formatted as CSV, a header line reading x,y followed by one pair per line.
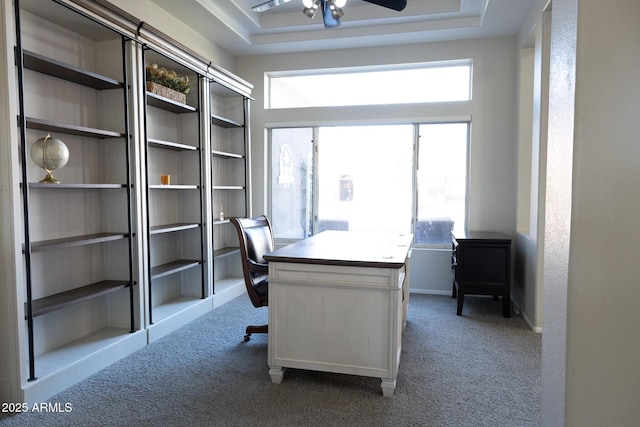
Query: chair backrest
x,y
256,240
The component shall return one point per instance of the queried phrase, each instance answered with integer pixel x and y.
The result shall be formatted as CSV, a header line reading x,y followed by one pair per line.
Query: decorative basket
x,y
164,91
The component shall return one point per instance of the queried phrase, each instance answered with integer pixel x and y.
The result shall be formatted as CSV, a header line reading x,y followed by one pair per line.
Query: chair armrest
x,y
259,267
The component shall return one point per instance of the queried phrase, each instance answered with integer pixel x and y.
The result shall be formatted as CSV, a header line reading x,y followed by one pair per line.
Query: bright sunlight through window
x,y
415,83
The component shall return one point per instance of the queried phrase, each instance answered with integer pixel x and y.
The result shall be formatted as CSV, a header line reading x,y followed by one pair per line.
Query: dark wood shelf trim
x,y
168,104
225,154
169,228
54,68
173,267
67,242
158,143
224,122
51,126
74,296
225,251
76,186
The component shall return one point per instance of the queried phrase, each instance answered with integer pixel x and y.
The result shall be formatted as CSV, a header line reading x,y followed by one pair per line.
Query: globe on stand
x,y
49,154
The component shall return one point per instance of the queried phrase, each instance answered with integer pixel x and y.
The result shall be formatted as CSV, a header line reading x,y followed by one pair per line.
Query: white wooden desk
x,y
338,303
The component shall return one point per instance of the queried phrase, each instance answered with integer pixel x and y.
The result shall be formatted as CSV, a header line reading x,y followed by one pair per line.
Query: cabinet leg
x,y
276,373
506,306
460,302
388,386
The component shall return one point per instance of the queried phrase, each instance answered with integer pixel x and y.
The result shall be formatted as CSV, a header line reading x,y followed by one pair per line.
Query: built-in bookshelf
x,y
80,278
230,178
175,208
112,257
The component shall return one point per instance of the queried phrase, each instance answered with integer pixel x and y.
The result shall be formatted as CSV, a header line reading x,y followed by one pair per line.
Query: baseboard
x,y
518,311
231,292
430,292
44,388
179,319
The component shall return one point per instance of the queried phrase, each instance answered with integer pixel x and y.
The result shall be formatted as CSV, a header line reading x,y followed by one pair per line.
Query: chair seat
x,y
261,285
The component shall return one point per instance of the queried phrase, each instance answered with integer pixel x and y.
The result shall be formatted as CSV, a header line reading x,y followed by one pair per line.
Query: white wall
x,y
603,350
591,343
493,139
150,13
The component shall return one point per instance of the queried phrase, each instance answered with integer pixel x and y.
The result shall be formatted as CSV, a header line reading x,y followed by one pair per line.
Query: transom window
x,y
409,83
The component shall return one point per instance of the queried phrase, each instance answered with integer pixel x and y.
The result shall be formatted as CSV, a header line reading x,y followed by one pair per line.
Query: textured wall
x,y
591,342
603,296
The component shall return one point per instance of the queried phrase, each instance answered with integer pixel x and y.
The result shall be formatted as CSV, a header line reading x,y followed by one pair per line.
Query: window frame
x,y
465,226
414,183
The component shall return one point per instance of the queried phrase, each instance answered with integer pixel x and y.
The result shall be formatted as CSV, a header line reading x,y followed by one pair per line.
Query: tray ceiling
x,y
233,26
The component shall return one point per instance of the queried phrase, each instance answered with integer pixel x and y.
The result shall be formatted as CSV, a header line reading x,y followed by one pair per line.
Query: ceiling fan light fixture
x,y
331,9
311,7
336,11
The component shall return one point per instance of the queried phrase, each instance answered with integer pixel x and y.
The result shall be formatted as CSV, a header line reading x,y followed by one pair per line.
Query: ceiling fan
x,y
331,9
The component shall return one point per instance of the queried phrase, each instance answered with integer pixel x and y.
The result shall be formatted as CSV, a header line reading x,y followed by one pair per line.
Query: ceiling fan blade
x,y
390,4
268,5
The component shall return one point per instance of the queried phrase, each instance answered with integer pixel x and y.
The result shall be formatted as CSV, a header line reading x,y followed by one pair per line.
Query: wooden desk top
x,y
347,248
481,235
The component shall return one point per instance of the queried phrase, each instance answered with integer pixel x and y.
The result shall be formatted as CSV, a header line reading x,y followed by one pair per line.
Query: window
x,y
442,182
365,180
291,182
401,178
411,83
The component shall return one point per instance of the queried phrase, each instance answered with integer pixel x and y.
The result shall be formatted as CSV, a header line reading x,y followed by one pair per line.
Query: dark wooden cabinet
x,y
481,265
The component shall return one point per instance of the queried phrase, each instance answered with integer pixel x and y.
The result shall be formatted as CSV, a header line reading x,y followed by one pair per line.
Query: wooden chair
x,y
256,240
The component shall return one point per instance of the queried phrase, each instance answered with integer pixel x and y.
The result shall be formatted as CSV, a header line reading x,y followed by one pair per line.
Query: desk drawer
x,y
335,275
